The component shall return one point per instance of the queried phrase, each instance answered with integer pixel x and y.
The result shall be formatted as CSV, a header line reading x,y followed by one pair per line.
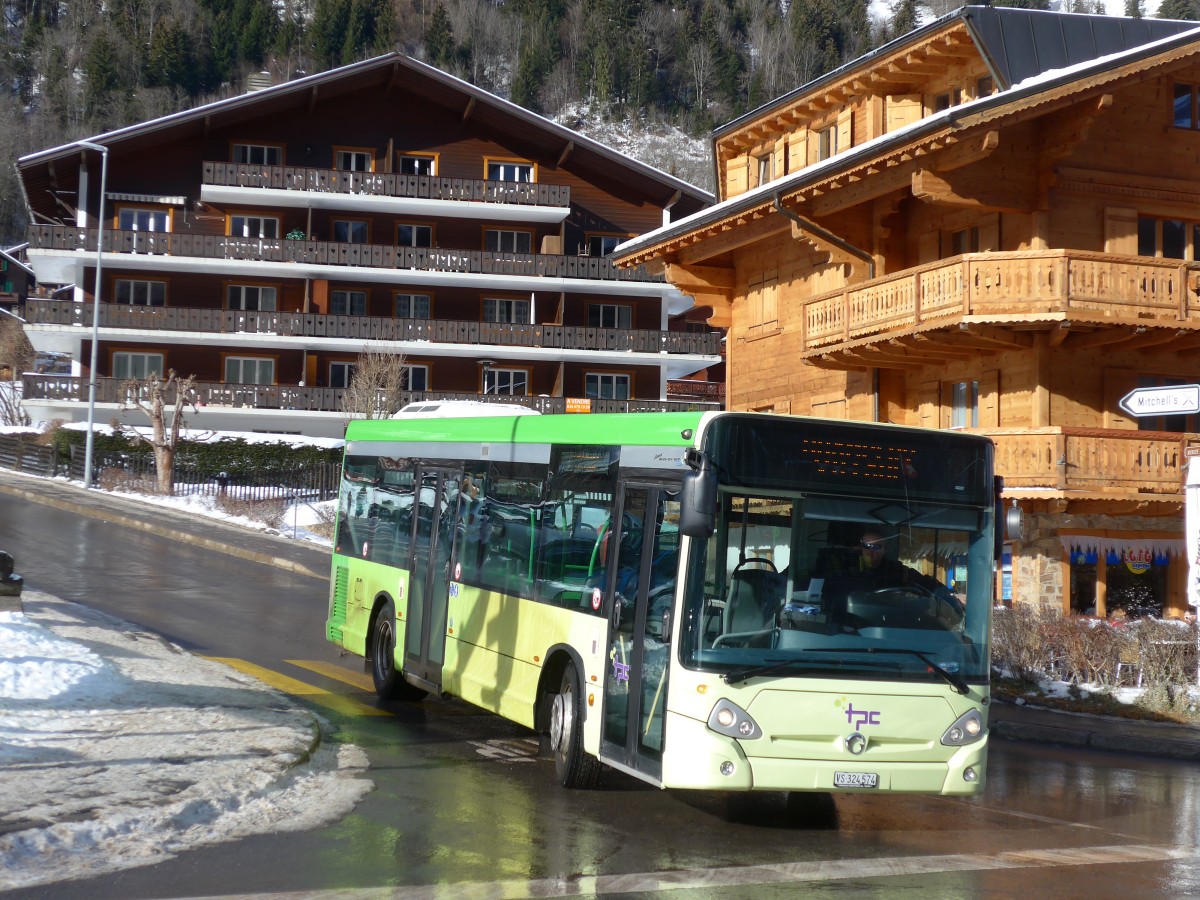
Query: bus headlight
x,y
966,729
733,721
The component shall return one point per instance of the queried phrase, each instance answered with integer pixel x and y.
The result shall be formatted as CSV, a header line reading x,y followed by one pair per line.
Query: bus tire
x,y
389,682
574,767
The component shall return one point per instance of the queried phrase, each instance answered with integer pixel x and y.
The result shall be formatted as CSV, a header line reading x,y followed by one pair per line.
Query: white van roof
x,y
453,409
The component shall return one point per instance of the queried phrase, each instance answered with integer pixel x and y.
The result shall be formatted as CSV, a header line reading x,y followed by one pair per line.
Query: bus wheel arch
x,y
382,640
563,709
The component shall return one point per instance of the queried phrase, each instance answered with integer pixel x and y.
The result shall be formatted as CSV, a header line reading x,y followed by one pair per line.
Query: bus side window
x,y
504,528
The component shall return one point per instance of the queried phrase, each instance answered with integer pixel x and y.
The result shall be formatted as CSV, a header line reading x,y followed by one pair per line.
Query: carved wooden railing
x,y
423,187
1090,459
331,253
64,388
371,328
1021,283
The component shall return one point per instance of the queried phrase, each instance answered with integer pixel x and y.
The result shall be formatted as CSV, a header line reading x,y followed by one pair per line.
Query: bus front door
x,y
640,593
435,507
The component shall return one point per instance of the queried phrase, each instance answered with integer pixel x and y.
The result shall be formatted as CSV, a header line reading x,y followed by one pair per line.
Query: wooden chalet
x,y
990,224
263,242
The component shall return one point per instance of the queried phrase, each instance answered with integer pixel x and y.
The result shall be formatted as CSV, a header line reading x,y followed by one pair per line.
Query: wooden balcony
x,y
331,253
683,388
379,184
371,328
67,388
1052,286
1093,461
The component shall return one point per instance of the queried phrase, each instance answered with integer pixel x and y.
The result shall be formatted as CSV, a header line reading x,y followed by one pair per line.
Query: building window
x,y
137,365
141,293
510,312
509,171
965,240
341,374
1178,424
606,386
603,244
251,297
258,154
985,86
417,164
349,231
1168,238
354,160
249,370
412,306
514,382
347,303
606,315
414,235
1185,105
827,142
766,167
964,404
944,101
496,241
144,220
417,378
253,227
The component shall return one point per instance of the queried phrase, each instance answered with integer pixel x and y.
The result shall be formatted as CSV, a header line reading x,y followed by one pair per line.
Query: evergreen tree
x,y
1135,9
1178,9
102,80
330,25
171,60
904,17
439,39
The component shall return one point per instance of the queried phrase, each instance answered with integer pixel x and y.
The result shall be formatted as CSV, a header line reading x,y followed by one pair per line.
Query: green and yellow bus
x,y
683,596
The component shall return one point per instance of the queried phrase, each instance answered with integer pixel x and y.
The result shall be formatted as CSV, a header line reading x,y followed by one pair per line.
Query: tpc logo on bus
x,y
857,717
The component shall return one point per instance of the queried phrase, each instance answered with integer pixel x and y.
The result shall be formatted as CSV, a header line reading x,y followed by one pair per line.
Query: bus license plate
x,y
855,779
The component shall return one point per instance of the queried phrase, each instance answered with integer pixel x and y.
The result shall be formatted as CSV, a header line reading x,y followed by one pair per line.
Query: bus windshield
x,y
866,575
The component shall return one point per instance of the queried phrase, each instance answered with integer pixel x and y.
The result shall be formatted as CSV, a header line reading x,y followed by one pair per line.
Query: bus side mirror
x,y
698,497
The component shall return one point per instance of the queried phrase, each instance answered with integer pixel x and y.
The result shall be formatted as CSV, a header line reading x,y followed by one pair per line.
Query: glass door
x,y
435,508
639,596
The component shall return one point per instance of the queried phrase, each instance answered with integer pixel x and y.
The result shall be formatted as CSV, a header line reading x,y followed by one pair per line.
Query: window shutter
x,y
737,178
989,232
989,399
901,110
1118,383
1120,231
845,130
779,158
927,405
797,151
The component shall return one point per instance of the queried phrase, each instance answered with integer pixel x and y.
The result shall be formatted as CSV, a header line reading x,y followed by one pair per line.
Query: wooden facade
x,y
943,234
270,239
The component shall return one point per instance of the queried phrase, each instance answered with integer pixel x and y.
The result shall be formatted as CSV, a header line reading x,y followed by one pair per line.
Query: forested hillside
x,y
77,69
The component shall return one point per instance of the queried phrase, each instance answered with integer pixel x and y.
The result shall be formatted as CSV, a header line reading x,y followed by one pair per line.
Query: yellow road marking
x,y
297,688
360,680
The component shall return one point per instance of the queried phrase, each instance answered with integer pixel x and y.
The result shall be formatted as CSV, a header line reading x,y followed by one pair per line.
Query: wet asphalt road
x,y
462,801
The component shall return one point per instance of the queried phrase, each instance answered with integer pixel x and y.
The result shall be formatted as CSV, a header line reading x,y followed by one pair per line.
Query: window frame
x,y
417,228
247,218
515,233
354,153
597,241
601,312
614,377
156,214
525,374
511,303
250,146
352,226
127,355
412,300
431,158
116,292
963,406
349,294
243,288
227,359
515,163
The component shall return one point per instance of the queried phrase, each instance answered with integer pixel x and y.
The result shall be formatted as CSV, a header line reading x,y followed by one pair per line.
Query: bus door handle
x,y
615,618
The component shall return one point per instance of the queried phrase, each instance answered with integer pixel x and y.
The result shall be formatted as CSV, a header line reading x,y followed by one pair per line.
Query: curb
x,y
117,518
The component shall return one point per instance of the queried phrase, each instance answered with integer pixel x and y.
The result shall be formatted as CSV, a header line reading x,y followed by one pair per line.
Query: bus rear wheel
x,y
389,682
574,767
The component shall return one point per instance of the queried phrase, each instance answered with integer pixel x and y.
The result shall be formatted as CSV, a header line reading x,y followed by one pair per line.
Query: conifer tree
x,y
439,39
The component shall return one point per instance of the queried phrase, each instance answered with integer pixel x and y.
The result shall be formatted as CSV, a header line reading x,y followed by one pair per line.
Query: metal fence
x,y
138,472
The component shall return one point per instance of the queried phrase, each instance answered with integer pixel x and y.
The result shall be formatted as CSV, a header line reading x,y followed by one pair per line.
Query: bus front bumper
x,y
696,758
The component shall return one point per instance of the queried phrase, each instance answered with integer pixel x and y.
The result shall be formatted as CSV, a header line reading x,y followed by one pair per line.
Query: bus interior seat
x,y
755,596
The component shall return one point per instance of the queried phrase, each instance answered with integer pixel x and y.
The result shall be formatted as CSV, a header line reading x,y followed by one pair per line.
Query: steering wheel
x,y
757,560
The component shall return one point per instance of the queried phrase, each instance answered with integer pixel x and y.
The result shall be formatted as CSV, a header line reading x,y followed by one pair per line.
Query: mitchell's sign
x,y
1162,401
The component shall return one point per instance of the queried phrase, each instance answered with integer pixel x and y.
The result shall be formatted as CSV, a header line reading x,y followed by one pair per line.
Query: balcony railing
x,y
331,253
994,284
712,391
1090,459
379,184
371,328
68,388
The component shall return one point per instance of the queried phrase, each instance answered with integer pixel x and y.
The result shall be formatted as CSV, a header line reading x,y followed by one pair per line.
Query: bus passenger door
x,y
435,508
643,560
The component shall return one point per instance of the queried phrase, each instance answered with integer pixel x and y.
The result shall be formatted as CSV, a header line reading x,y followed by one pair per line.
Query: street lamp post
x,y
91,417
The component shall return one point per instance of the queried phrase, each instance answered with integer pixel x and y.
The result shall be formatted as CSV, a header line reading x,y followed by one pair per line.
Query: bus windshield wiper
x,y
734,676
950,678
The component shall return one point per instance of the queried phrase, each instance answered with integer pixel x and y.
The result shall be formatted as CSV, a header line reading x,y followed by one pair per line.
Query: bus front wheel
x,y
389,682
574,767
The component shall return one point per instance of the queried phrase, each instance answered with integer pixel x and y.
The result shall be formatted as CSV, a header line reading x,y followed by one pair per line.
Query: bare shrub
x,y
1167,660
326,514
1016,643
112,479
271,512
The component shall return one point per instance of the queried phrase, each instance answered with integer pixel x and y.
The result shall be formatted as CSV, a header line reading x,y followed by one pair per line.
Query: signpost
x,y
1174,400
1177,400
